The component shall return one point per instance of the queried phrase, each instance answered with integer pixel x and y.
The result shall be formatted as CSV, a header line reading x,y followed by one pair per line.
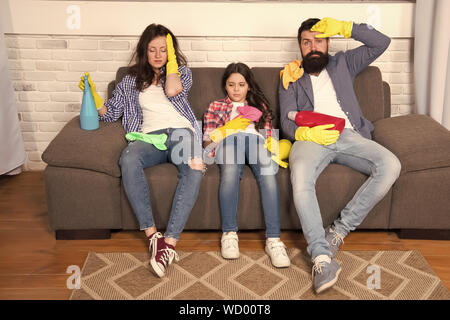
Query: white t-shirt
x,y
235,113
158,111
325,100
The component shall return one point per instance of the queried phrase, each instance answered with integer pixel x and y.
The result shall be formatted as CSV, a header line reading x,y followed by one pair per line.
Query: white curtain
x,y
12,150
432,59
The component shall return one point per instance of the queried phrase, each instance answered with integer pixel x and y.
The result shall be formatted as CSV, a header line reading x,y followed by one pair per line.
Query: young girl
x,y
248,144
152,99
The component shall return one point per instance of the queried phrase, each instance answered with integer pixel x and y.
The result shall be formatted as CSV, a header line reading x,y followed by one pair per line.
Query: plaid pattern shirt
x,y
125,103
218,114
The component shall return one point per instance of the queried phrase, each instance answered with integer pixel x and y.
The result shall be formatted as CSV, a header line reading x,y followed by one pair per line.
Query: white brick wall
x,y
45,71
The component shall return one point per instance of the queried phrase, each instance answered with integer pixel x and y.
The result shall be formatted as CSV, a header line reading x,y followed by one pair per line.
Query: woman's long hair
x,y
255,97
141,68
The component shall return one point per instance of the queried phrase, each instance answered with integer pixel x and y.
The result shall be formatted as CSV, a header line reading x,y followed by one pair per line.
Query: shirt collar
x,y
228,101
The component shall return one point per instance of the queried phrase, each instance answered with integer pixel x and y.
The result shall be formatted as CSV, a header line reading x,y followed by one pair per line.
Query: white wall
x,y
226,19
46,60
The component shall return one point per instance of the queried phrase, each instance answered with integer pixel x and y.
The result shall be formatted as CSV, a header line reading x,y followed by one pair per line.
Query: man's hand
x,y
97,99
172,65
330,27
318,134
231,127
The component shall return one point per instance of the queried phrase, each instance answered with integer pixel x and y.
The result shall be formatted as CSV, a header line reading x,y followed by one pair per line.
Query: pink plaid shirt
x,y
218,114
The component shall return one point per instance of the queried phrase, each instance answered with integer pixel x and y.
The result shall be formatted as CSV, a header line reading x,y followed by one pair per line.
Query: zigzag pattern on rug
x,y
366,275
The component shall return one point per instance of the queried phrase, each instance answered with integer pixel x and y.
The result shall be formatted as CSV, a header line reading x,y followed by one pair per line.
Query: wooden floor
x,y
33,264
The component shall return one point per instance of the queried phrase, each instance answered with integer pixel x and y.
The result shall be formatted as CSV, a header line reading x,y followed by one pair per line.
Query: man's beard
x,y
315,64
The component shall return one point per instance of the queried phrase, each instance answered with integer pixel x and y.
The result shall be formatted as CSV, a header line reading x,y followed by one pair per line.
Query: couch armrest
x,y
97,150
417,140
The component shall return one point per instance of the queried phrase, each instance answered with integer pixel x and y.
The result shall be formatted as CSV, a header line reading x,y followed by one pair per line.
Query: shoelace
x,y
155,237
338,238
167,256
277,247
230,243
152,241
317,267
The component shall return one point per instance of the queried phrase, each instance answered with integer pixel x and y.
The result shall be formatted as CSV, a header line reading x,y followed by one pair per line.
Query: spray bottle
x,y
88,113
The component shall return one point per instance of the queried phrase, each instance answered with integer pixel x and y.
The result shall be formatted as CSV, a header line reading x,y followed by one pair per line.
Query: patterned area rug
x,y
366,275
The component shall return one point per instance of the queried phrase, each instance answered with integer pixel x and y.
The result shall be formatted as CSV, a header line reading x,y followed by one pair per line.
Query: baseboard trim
x,y
83,234
424,234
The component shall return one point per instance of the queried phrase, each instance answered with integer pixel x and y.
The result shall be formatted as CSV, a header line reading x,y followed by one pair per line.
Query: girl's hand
x,y
231,127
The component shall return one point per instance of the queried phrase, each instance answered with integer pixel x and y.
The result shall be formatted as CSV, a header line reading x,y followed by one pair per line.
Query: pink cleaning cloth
x,y
251,113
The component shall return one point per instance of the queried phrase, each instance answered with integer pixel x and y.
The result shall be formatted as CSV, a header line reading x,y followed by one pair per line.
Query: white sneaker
x,y
230,248
276,250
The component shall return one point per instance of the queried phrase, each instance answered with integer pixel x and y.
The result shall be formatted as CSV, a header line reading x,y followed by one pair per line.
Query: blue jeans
x,y
231,156
138,155
307,160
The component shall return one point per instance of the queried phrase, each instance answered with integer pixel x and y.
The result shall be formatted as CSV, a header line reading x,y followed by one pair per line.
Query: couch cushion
x,y
369,91
205,214
420,200
268,80
206,87
417,140
82,199
97,150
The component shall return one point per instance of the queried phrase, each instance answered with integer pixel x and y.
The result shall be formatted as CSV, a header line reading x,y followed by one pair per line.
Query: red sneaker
x,y
152,238
163,255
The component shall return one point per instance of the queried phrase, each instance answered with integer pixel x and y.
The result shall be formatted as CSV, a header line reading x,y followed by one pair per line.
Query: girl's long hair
x,y
255,97
141,68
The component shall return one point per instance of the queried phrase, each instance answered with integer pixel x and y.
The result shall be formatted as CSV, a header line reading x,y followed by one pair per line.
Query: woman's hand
x,y
173,83
97,99
172,65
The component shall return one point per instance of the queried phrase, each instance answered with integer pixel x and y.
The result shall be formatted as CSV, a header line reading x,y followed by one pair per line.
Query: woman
x,y
152,100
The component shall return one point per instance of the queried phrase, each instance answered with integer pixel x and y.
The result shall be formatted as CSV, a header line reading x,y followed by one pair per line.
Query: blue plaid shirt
x,y
125,103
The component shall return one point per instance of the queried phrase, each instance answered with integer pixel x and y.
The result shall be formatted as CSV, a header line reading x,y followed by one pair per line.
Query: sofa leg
x,y
83,234
426,234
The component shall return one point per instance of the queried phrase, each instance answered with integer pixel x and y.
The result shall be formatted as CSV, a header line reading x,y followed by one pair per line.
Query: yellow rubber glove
x,y
280,150
172,65
317,134
330,27
97,99
291,72
232,126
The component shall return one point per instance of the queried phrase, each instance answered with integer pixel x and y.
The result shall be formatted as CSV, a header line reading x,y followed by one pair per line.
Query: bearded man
x,y
323,83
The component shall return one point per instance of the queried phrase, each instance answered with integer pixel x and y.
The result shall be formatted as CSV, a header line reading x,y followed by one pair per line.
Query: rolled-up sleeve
x,y
375,43
209,122
114,105
186,83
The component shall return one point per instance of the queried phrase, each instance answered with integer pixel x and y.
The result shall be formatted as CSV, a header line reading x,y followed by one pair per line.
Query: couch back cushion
x,y
206,87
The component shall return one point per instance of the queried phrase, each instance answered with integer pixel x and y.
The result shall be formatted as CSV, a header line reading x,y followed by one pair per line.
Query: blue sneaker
x,y
325,273
334,240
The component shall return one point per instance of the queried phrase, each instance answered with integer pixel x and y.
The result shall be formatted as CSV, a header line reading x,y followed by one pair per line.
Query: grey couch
x,y
86,199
